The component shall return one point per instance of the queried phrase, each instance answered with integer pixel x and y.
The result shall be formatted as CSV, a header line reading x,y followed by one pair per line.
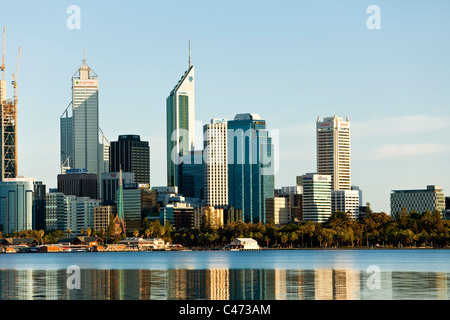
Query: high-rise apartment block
x,y
216,164
432,198
131,154
333,151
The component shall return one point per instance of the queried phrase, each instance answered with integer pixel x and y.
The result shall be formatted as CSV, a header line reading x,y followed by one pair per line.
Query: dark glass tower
x,y
250,166
130,154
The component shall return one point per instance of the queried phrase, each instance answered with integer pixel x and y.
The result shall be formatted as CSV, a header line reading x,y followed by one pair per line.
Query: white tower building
x,y
215,163
333,151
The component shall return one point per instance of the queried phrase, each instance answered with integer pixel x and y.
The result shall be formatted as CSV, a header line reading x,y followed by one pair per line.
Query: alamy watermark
x,y
231,146
74,277
74,20
374,20
373,282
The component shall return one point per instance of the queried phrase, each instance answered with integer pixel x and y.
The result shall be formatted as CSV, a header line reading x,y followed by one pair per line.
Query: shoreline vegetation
x,y
407,230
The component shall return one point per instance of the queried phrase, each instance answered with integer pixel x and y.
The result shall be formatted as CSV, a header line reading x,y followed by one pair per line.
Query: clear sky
x,y
288,61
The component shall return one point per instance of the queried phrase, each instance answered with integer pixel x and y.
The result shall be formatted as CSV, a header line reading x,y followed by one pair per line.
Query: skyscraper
x,y
180,112
80,132
85,119
18,204
130,154
333,151
250,166
216,164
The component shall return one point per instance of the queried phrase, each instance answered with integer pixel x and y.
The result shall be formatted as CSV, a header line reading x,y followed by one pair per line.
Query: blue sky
x,y
288,61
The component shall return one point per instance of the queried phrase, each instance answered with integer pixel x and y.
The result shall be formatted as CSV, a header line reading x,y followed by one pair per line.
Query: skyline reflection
x,y
222,284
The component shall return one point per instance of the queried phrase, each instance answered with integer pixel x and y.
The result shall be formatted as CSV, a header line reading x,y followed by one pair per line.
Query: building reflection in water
x,y
223,284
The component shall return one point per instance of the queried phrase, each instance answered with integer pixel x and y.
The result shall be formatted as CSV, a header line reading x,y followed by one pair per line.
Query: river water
x,y
228,275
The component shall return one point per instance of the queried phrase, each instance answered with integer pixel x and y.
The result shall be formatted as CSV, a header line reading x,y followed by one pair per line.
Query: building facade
x,y
191,180
277,210
79,183
346,201
54,211
102,217
250,166
79,213
333,151
130,154
216,163
432,198
110,185
316,197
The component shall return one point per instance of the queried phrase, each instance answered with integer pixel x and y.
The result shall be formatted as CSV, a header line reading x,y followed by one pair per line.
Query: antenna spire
x,y
84,56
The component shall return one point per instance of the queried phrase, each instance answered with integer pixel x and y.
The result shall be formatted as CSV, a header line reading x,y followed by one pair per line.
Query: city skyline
x,y
391,82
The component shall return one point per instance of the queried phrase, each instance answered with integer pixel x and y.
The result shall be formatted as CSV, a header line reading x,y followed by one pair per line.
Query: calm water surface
x,y
237,275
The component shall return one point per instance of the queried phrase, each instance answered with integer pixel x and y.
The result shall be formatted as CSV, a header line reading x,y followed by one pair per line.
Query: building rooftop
x,y
128,137
434,188
247,116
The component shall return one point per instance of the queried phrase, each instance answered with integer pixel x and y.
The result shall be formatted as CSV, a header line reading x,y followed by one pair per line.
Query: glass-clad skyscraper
x,y
79,124
180,112
21,204
250,166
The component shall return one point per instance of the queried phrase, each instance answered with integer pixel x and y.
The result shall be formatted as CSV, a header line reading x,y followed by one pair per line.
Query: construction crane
x,y
14,82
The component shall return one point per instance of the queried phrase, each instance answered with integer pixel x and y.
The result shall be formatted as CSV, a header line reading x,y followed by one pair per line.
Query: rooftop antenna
x,y
84,56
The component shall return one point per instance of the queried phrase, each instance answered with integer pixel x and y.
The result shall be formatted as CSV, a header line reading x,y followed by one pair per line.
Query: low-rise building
x,y
432,198
244,244
144,244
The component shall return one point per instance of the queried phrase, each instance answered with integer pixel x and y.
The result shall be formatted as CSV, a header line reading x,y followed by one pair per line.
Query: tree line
x,y
405,229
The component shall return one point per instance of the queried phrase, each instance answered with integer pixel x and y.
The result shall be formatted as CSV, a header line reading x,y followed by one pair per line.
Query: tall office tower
x,y
216,164
80,132
130,154
85,119
316,197
250,166
180,112
333,151
8,123
18,204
